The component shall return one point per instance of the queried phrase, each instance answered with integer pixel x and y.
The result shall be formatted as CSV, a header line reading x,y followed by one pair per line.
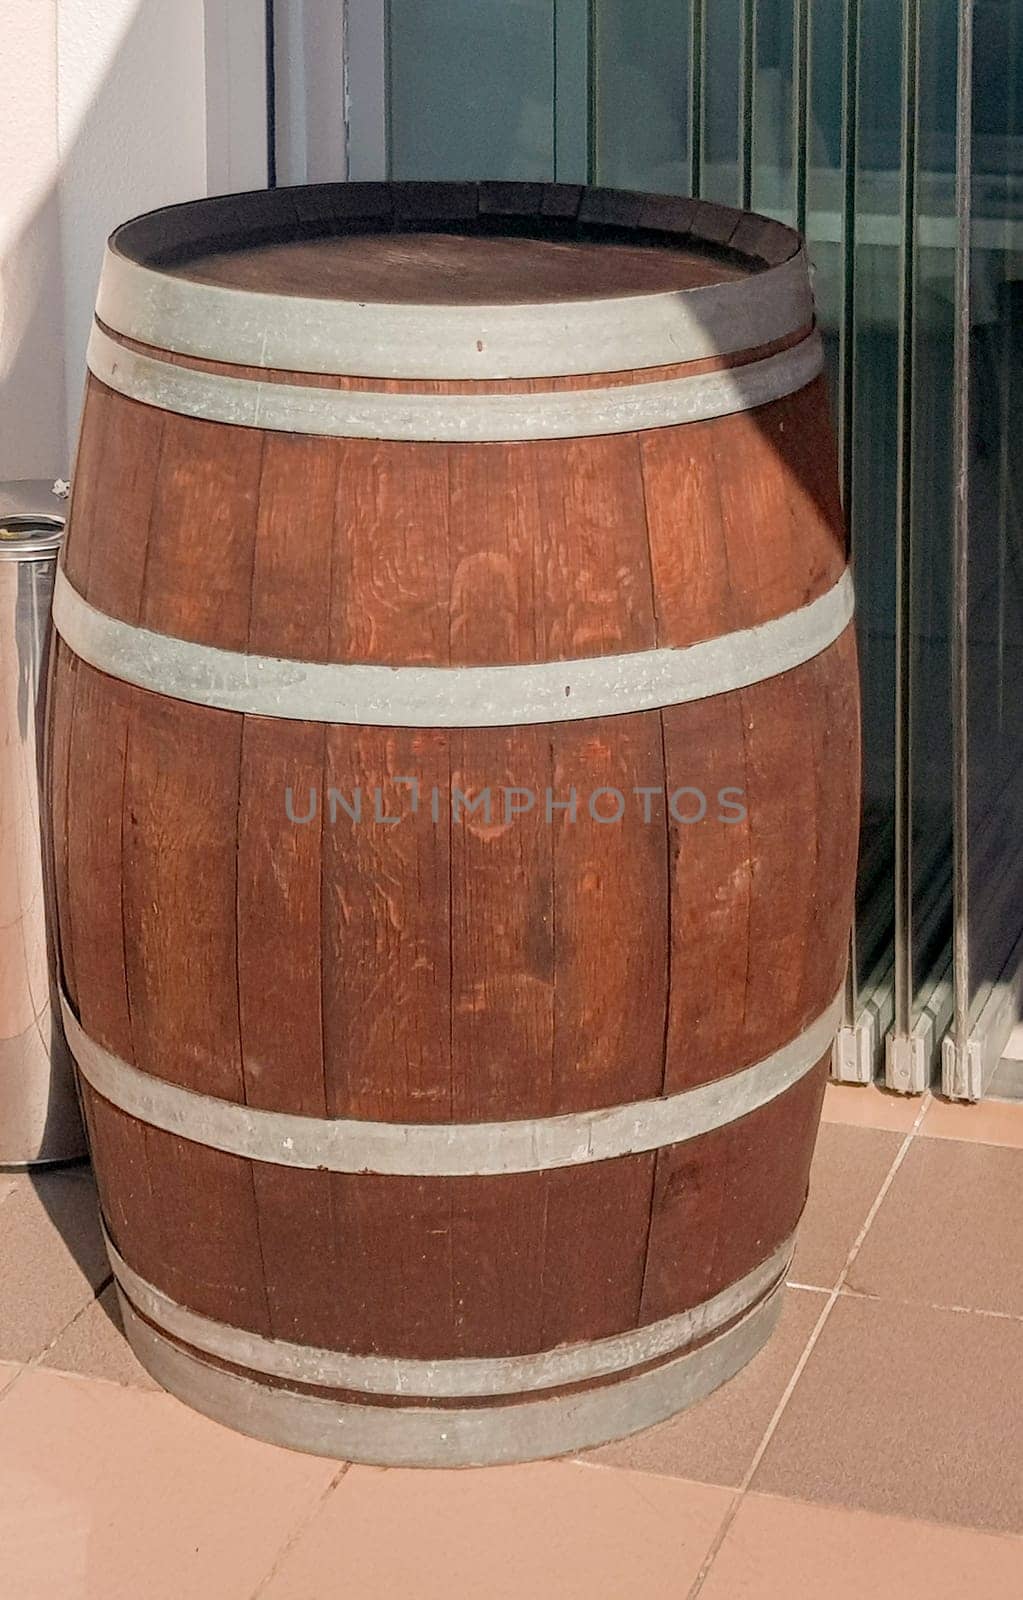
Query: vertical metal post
x,y
270,36
960,539
904,1066
1008,493
696,75
801,106
575,91
590,54
850,174
388,106
747,101
847,335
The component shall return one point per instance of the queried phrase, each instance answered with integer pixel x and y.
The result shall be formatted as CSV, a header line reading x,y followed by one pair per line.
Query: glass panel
x,y
873,349
995,549
642,94
826,176
802,102
471,88
775,93
829,192
930,490
721,177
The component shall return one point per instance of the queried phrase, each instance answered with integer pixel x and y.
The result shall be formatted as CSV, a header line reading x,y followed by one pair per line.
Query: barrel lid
x,y
455,243
427,268
30,524
454,280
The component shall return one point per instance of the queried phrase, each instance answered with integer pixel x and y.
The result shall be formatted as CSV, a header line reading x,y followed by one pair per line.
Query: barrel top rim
x,y
661,240
143,297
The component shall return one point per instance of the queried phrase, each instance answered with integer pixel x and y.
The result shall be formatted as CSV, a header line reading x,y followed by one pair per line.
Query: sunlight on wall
x,y
131,125
108,119
31,300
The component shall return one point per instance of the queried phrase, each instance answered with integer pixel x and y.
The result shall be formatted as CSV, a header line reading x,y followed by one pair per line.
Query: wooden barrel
x,y
454,778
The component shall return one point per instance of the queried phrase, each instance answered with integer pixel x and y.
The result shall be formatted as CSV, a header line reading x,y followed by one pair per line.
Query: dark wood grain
x,y
724,1202
201,545
460,269
386,938
131,444
179,889
95,864
62,672
89,484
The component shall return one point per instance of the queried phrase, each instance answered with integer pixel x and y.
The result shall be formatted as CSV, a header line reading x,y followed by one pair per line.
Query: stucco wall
x,y
107,116
32,422
131,130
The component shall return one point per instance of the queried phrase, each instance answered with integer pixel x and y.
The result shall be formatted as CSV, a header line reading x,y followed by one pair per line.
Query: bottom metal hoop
x,y
422,1436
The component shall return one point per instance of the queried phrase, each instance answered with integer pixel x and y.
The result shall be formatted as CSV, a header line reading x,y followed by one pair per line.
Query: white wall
x,y
32,423
107,105
131,131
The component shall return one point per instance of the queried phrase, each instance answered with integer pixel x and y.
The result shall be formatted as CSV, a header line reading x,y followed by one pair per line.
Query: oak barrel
x,y
455,791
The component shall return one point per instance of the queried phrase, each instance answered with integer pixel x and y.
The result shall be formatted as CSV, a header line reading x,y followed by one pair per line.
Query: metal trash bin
x,y
39,1116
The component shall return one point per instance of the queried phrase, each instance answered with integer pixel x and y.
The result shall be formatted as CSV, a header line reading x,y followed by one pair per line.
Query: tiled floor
x,y
874,1449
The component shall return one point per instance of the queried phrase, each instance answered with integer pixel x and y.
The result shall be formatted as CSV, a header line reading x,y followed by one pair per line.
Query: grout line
x,y
298,1530
926,1101
846,1292
12,1382
37,1359
934,1305
818,1328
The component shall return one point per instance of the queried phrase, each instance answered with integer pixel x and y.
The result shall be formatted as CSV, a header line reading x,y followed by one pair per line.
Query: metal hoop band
x,y
460,418
380,340
452,1379
420,1436
447,697
470,1149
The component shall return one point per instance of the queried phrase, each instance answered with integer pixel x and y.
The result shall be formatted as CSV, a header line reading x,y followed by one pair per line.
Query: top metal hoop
x,y
141,299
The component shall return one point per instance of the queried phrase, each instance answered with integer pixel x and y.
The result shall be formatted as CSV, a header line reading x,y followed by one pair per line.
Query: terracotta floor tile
x,y
862,1105
53,1259
94,1345
110,1494
950,1230
554,1531
849,1166
990,1122
716,1440
908,1410
787,1550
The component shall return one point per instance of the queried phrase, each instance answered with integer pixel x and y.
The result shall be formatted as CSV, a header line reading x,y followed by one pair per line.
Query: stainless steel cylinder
x,y
39,1117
